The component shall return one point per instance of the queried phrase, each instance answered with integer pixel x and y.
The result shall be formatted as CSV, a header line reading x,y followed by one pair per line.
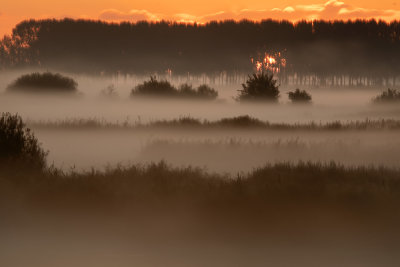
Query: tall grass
x,y
245,122
160,183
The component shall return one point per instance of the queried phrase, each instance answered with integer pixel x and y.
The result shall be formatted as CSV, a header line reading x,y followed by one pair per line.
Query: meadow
x,y
156,215
179,182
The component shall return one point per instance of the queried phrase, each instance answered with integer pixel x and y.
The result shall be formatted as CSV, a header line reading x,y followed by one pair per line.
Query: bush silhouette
x,y
260,87
390,95
187,90
202,92
206,92
43,82
300,96
165,89
154,87
18,146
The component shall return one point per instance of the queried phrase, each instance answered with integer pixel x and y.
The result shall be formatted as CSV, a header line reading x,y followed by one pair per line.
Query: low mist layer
x,y
223,150
328,105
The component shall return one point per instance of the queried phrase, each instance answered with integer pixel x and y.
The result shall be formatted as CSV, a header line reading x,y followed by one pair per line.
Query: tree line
x,y
360,52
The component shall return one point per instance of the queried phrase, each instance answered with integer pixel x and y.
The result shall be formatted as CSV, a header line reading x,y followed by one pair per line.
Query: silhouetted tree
x,y
260,87
19,148
337,53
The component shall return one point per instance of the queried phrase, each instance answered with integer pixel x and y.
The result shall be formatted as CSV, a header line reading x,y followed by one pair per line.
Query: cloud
x,y
334,9
330,10
133,15
221,15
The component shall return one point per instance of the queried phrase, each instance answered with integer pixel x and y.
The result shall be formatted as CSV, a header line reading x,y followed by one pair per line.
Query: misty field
x,y
220,146
112,178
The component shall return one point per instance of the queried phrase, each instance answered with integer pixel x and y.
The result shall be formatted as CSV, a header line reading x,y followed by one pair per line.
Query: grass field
x,y
156,215
241,122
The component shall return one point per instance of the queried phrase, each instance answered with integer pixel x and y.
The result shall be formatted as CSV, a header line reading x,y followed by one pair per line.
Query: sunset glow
x,y
11,12
272,62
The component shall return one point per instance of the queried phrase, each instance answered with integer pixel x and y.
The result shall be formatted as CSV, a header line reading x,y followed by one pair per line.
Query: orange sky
x,y
13,11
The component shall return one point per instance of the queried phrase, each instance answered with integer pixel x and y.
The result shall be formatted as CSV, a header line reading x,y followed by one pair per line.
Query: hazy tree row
x,y
338,53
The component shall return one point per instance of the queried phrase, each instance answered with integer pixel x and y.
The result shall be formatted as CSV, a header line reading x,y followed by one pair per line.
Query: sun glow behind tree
x,y
274,62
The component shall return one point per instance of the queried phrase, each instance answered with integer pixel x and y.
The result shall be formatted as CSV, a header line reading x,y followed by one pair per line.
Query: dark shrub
x,y
299,96
18,146
206,92
154,87
202,92
186,90
43,82
165,89
260,87
388,96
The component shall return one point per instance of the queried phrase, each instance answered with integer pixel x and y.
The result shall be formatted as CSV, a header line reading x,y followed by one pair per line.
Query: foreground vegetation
x,y
156,209
165,206
158,184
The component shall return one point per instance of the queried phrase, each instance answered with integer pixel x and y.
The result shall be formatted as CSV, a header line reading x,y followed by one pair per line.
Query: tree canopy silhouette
x,y
321,52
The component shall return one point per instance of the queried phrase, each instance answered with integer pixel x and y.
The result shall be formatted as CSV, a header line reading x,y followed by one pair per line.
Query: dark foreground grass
x,y
159,184
305,214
